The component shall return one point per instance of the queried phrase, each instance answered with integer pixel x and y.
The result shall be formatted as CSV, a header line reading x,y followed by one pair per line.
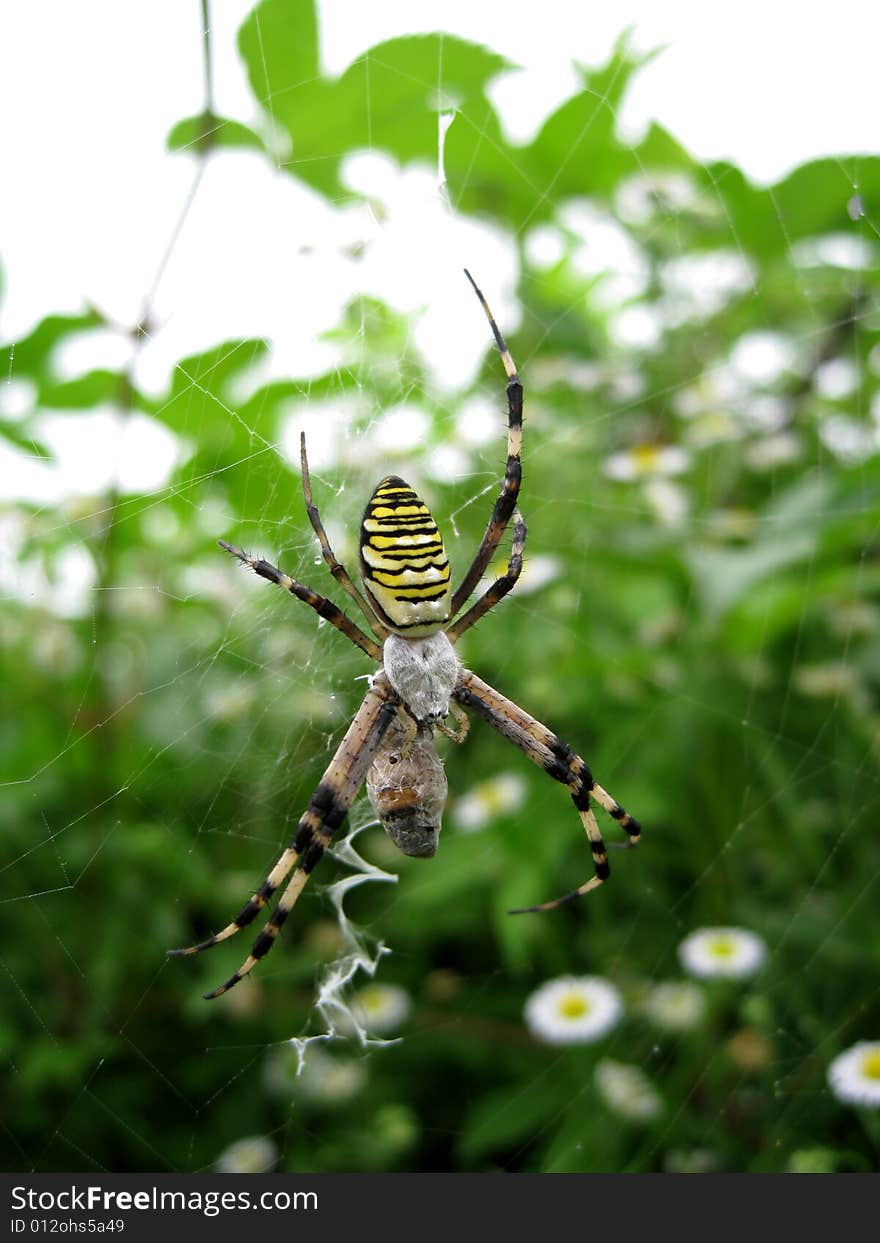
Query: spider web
x,y
269,670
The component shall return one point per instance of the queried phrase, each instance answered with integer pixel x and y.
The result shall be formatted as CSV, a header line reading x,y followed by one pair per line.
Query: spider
x,y
411,609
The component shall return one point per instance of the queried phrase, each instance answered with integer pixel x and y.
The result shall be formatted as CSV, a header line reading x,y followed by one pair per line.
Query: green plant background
x,y
718,671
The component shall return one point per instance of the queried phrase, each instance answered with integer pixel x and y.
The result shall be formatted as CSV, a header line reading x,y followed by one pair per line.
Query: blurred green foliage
x,y
707,639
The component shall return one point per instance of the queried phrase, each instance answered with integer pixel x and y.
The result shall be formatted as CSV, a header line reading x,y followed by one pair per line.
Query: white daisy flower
x,y
675,1005
256,1154
627,1090
487,800
731,953
573,1010
381,1008
646,461
854,1076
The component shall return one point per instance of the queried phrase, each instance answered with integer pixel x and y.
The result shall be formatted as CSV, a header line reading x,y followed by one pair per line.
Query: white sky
x,y
89,91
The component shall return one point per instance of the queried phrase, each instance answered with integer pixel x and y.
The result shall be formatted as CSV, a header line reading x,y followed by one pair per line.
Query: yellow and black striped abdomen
x,y
403,561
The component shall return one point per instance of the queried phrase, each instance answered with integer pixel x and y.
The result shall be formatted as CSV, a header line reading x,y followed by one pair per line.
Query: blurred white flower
x,y
641,197
230,701
645,461
627,1090
381,1008
625,384
606,250
720,388
854,1076
53,647
690,1161
675,1005
732,953
323,1079
762,357
849,439
772,451
714,427
668,500
765,412
573,1010
837,378
847,618
575,373
545,246
837,250
447,462
504,792
639,325
402,427
281,1070
731,524
699,285
831,679
256,1154
537,572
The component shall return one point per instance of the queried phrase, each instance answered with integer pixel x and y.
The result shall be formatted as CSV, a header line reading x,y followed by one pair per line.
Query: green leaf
x,y
812,200
724,575
92,389
788,534
31,354
387,99
512,1116
19,440
207,130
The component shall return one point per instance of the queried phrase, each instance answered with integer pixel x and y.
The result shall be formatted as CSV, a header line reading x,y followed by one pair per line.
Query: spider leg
x,y
337,569
326,811
559,762
460,731
324,607
506,502
499,588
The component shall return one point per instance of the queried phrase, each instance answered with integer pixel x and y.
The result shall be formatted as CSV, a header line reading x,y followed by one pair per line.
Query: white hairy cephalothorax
x,y
423,672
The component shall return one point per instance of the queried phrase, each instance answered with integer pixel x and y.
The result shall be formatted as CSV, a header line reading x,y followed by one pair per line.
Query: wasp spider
x,y
414,616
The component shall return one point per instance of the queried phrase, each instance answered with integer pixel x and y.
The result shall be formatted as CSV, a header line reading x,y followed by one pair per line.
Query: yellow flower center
x,y
871,1064
645,457
573,1006
493,797
722,947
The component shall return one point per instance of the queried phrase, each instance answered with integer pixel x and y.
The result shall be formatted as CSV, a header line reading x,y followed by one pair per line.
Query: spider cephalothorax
x,y
414,615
